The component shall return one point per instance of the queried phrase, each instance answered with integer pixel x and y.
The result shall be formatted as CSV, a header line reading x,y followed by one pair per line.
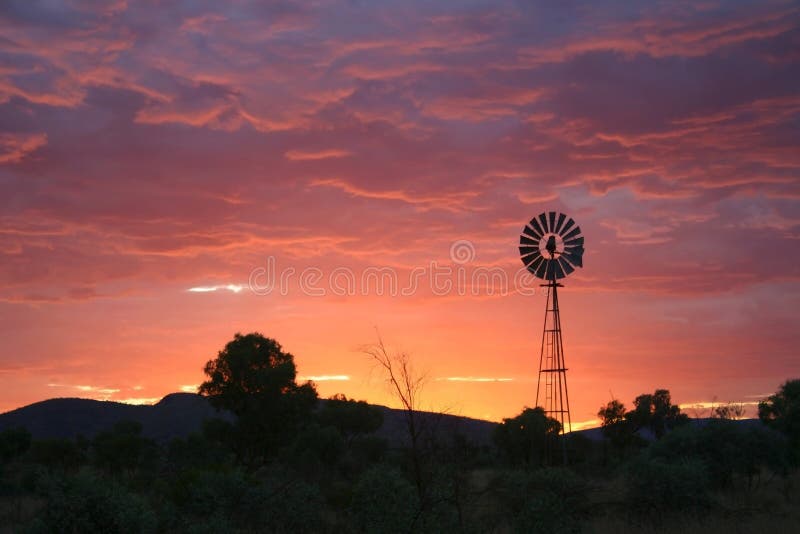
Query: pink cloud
x,y
15,147
139,161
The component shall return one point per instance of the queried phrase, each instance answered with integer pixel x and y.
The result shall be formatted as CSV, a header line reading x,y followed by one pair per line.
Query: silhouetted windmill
x,y
551,247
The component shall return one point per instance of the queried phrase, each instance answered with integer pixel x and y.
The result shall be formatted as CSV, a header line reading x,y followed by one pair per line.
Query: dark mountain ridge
x,y
177,414
180,414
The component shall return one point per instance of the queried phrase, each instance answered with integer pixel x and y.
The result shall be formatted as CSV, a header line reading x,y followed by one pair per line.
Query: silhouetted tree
x,y
350,417
406,384
656,412
524,438
730,411
255,379
616,427
612,413
781,411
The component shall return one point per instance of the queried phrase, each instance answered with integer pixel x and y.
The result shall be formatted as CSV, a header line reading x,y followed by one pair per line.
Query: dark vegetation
x,y
274,458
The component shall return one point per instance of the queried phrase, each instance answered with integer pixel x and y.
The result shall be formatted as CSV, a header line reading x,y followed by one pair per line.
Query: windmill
x,y
551,246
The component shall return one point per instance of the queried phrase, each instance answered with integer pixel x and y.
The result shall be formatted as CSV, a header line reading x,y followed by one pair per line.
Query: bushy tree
x,y
525,439
656,413
781,411
255,379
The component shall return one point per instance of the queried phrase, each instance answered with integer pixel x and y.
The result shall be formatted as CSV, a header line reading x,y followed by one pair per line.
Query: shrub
x,y
89,503
725,448
655,487
547,500
383,501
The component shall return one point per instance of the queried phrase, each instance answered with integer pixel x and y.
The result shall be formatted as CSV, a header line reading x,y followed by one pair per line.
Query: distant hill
x,y
180,414
177,414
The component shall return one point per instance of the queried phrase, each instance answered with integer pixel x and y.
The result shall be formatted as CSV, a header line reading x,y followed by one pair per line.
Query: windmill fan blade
x,y
561,218
538,229
528,253
574,233
535,264
548,271
533,234
554,271
568,269
575,259
563,253
541,269
543,220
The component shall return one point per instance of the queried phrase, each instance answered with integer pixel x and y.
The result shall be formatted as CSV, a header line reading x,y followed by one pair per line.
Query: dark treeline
x,y
288,462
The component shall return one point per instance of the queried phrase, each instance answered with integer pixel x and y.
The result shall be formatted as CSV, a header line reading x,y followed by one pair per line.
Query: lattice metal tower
x,y
551,249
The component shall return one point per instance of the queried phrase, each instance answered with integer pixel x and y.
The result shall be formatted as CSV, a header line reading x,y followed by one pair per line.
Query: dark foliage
x,y
279,465
123,448
656,413
14,442
547,500
350,417
781,411
253,378
725,451
527,438
656,488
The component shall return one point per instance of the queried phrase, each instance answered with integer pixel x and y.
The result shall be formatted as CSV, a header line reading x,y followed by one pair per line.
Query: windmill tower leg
x,y
551,389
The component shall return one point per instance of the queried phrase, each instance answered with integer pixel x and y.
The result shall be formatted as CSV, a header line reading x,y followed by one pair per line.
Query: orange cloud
x,y
303,155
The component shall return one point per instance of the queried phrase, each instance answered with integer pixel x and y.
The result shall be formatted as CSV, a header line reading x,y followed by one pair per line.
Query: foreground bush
x,y
547,500
655,487
383,501
86,502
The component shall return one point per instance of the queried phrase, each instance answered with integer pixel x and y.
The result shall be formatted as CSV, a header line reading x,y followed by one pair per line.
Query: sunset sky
x,y
157,159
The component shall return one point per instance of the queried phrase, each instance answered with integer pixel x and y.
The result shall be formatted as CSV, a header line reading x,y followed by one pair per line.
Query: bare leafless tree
x,y
406,384
731,410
